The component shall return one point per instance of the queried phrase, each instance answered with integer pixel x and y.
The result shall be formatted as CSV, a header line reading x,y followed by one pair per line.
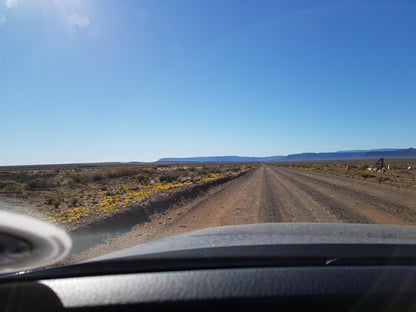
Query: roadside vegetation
x,y
69,195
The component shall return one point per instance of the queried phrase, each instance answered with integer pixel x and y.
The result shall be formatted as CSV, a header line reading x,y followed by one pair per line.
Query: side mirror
x,y
28,243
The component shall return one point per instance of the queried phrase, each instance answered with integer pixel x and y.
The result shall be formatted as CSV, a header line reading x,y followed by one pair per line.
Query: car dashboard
x,y
262,267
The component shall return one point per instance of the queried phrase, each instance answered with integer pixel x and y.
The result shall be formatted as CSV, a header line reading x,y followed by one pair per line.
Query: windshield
x,y
124,122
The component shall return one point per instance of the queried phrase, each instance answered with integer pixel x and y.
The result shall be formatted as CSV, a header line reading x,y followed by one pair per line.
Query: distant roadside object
x,y
379,166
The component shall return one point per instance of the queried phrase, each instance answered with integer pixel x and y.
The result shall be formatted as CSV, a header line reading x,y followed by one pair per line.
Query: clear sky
x,y
88,81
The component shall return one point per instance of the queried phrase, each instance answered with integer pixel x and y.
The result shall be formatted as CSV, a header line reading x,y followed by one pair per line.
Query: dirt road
x,y
275,194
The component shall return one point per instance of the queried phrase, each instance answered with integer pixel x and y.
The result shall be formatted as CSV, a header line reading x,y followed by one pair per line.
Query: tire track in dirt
x,y
395,203
358,201
340,209
294,203
271,208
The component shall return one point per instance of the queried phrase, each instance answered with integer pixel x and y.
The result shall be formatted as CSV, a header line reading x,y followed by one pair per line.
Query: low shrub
x,y
167,179
214,170
39,183
366,175
74,202
53,201
203,173
149,170
142,178
78,177
121,172
10,186
235,169
97,176
85,177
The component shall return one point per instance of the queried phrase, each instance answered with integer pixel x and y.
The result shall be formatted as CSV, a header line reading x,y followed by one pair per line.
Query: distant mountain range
x,y
340,155
222,158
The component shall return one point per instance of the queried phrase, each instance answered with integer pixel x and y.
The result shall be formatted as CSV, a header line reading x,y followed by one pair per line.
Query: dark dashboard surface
x,y
295,277
212,269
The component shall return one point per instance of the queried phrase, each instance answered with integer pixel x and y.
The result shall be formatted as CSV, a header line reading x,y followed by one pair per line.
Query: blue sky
x,y
89,81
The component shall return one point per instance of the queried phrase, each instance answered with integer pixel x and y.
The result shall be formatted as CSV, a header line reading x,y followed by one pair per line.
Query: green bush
x,y
121,172
74,202
54,201
203,173
148,170
237,169
97,176
85,177
142,178
167,179
77,177
214,170
10,186
366,175
39,183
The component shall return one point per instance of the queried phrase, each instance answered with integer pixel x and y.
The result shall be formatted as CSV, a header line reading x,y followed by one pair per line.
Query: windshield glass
x,y
123,122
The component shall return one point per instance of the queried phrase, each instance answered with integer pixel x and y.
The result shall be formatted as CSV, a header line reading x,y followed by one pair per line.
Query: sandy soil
x,y
273,194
